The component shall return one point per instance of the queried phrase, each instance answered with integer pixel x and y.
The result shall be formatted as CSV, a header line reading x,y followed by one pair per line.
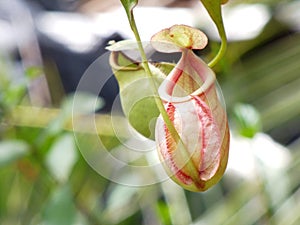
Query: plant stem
x,y
222,49
220,54
146,67
215,12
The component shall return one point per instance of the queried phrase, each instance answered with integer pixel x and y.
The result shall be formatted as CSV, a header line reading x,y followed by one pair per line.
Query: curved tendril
x,y
220,53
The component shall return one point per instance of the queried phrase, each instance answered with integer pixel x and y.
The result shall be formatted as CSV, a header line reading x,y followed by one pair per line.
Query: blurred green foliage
x,y
45,180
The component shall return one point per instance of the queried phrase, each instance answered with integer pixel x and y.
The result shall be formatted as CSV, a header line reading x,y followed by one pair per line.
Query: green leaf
x,y
83,102
79,103
137,98
12,150
119,199
33,72
60,210
13,94
213,8
128,6
62,157
247,120
163,211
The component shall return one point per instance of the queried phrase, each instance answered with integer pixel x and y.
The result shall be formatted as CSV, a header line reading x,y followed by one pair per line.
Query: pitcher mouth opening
x,y
206,75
